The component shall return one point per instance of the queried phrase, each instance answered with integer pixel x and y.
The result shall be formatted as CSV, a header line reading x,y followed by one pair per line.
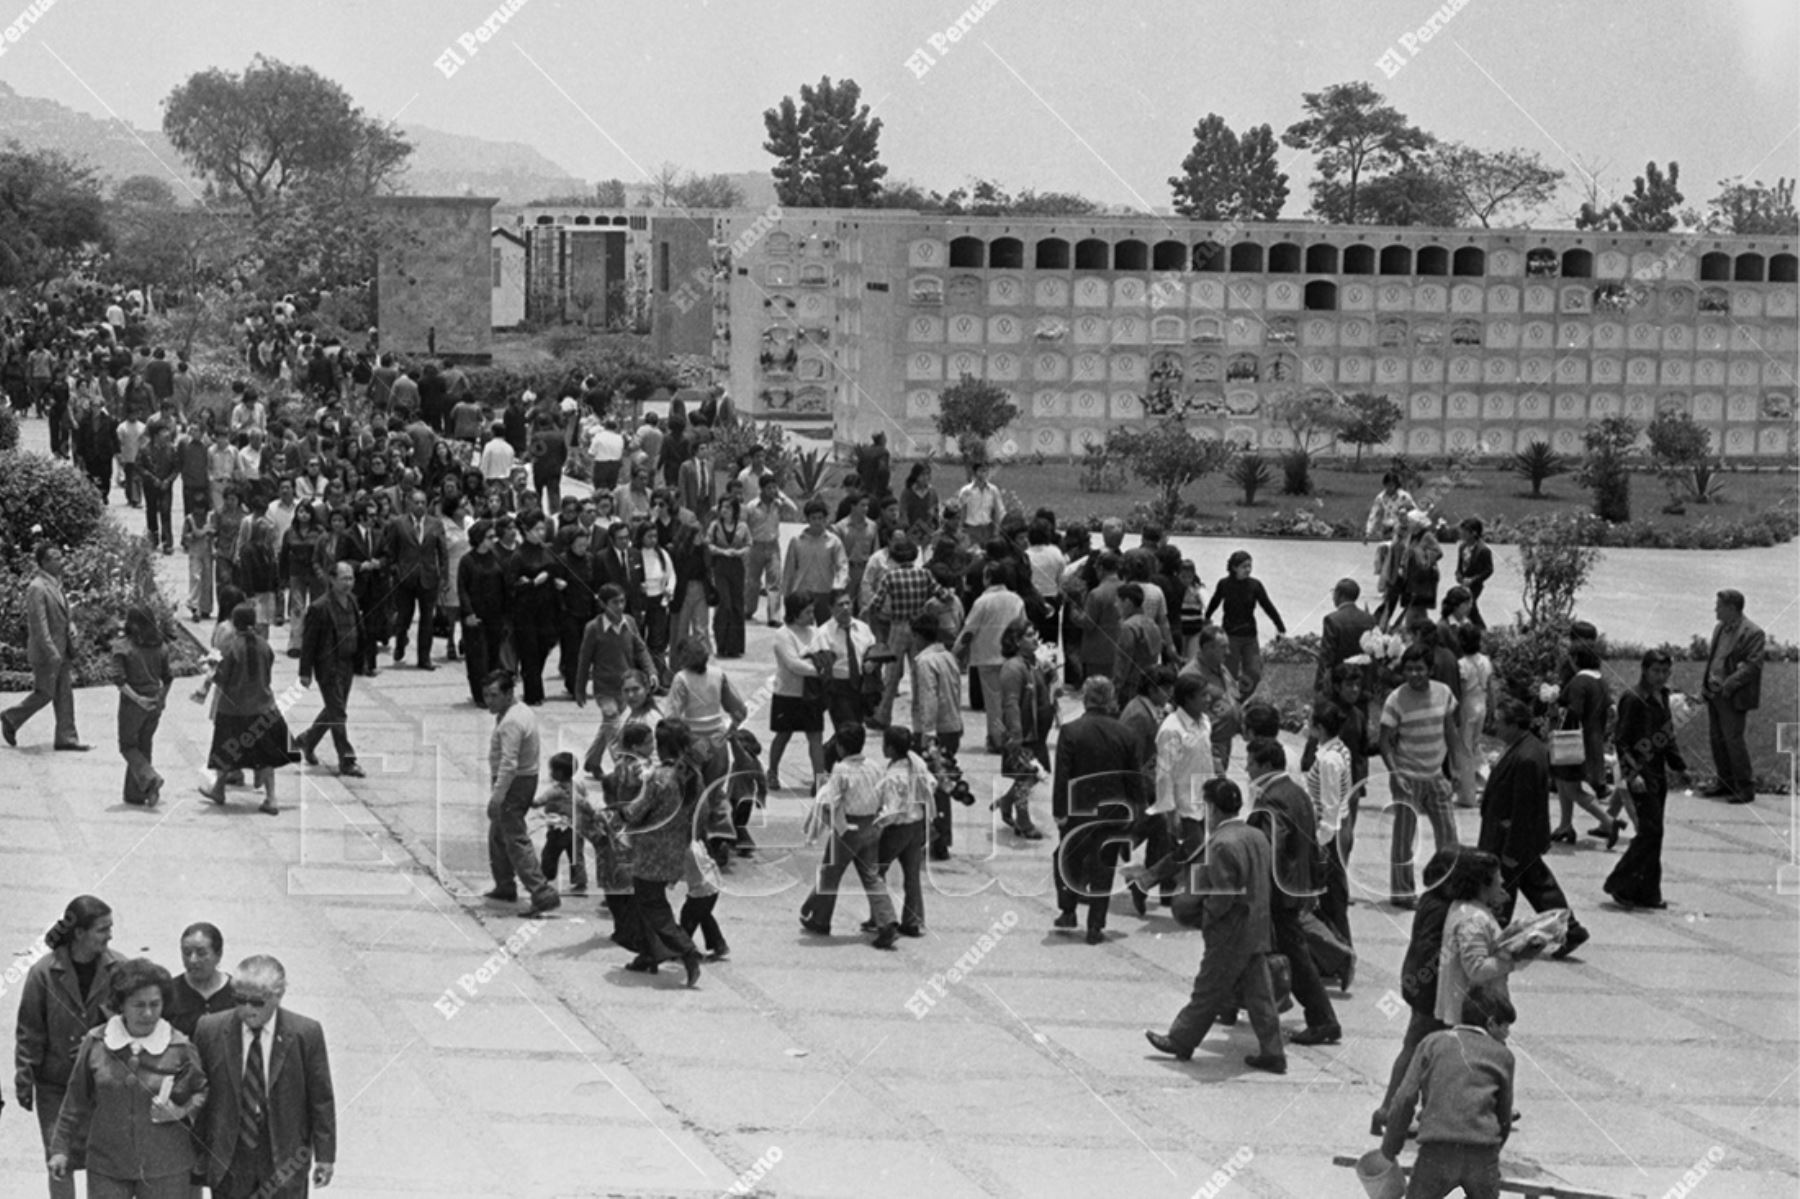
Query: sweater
x,y
1241,598
1465,1079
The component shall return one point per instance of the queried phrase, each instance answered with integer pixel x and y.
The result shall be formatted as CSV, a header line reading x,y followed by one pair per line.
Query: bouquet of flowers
x,y
1548,693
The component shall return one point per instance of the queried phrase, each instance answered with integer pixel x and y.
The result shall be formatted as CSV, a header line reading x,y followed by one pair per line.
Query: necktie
x,y
253,1096
850,646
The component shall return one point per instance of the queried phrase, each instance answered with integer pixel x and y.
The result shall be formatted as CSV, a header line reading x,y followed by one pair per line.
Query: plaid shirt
x,y
904,592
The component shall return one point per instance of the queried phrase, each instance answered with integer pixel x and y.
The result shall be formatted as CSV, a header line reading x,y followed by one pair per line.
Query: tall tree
x,y
825,147
50,214
708,191
1411,194
1753,208
1352,132
1488,183
662,184
610,193
276,129
1651,207
1226,177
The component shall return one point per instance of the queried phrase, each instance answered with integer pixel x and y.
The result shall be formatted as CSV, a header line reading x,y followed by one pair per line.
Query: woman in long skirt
x,y
730,539
141,670
249,732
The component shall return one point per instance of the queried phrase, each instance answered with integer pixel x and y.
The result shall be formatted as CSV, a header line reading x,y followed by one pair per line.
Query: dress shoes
x,y
9,732
501,895
1162,1043
1578,936
886,938
541,905
76,747
815,928
1322,1034
350,770
1273,1063
1096,936
1066,920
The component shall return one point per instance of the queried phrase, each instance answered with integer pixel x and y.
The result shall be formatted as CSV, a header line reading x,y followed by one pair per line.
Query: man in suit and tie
x,y
50,648
1341,636
1235,921
1733,689
415,547
269,1126
1096,796
1284,813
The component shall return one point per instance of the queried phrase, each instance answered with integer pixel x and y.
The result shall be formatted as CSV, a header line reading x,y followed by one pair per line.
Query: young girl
x,y
1472,955
197,542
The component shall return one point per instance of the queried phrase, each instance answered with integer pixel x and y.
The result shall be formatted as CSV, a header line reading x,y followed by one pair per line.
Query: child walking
x,y
1464,1077
563,799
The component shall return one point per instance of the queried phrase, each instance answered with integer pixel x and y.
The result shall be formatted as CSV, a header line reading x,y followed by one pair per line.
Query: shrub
x,y
102,578
1297,647
37,491
1169,458
1523,658
1100,470
1536,464
1555,558
970,413
9,428
1368,420
1296,473
1250,472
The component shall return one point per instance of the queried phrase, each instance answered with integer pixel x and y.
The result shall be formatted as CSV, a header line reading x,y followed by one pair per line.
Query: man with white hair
x,y
270,1121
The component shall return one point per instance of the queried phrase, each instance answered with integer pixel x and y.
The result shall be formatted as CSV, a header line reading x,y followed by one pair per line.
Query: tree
x,y
1169,458
151,190
155,242
1681,450
907,194
825,147
1487,183
1554,564
1227,177
1605,470
1412,194
1313,419
278,129
610,193
50,214
1352,132
1367,419
1650,208
708,191
1752,209
972,412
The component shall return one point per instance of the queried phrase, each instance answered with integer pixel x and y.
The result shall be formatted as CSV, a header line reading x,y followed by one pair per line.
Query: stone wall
x,y
434,282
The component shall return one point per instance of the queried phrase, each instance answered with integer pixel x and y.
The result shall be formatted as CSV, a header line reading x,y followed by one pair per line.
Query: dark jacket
x,y
1096,766
302,1111
1235,883
1742,666
323,648
1515,816
415,557
481,586
54,1016
1284,814
1340,638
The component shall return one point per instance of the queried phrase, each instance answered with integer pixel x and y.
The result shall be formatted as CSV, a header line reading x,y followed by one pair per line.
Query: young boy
x,y
565,804
1464,1076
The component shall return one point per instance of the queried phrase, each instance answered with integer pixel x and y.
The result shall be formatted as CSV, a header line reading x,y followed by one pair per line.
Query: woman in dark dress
x,y
1645,740
730,540
249,732
577,603
201,988
533,576
482,603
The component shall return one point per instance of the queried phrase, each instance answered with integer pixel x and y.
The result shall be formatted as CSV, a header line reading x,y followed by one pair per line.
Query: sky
x,y
1090,96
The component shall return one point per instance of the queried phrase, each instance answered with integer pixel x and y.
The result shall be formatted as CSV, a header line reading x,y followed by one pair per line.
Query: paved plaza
x,y
799,1068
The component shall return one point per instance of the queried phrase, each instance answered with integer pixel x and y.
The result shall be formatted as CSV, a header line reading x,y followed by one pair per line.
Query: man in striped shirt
x,y
1418,735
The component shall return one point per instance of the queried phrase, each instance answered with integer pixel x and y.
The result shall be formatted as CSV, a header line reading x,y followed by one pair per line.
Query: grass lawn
x,y
1342,495
1288,685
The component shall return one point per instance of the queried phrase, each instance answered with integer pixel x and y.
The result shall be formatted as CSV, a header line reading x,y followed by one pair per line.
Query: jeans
x,y
1243,656
905,843
762,574
159,514
137,738
859,846
1411,795
511,856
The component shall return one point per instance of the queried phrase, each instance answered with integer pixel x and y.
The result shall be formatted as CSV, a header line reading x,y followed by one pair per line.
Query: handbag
x,y
1567,748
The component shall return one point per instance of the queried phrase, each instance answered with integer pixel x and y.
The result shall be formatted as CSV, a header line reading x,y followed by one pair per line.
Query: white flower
x,y
1548,693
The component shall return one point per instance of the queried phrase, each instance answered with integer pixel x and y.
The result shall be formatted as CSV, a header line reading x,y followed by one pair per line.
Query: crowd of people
x,y
396,513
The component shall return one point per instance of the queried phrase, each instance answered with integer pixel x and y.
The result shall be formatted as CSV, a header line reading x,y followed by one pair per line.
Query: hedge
x,y
41,493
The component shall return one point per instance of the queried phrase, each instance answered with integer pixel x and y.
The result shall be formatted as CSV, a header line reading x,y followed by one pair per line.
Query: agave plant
x,y
1536,463
810,467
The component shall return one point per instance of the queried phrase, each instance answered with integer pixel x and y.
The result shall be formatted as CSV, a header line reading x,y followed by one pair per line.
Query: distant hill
x,y
441,163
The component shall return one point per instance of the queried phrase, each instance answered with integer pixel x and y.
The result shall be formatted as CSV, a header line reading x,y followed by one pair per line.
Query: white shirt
x,y
1184,761
497,458
606,445
831,636
1328,783
981,505
268,1046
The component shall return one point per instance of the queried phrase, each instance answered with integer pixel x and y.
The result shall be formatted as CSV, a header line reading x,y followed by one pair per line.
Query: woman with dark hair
x,y
792,710
533,578
1585,706
142,673
729,539
135,1080
440,466
201,988
1645,740
920,507
481,600
1472,955
577,603
249,732
1453,613
657,587
65,994
300,555
1422,577
660,824
1241,595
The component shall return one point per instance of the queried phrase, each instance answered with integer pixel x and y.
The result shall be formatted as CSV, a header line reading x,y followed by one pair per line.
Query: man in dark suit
x,y
1515,820
1096,795
1235,920
50,649
329,639
1733,689
270,1121
1284,814
1341,636
1474,566
414,547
